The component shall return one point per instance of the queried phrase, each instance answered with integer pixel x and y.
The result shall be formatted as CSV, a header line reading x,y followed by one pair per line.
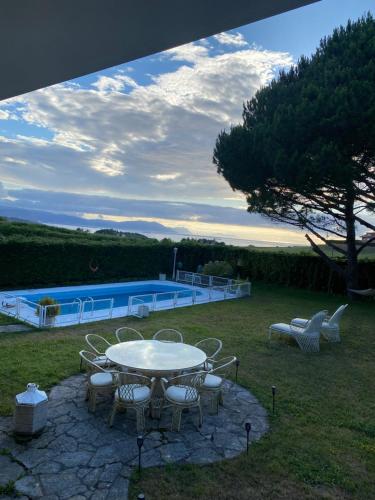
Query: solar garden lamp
x,y
237,365
248,429
140,440
141,496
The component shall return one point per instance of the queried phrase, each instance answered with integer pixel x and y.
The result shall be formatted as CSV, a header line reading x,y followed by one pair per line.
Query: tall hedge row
x,y
37,263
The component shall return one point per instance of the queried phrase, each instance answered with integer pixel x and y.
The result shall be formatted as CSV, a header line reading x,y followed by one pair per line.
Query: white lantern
x,y
30,416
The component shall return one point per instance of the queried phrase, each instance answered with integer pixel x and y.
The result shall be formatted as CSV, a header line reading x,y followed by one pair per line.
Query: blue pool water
x,y
120,294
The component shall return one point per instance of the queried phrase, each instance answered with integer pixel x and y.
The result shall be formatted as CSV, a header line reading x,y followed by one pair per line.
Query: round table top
x,y
155,356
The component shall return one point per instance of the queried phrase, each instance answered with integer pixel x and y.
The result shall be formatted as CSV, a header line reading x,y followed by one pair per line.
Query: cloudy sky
x,y
135,141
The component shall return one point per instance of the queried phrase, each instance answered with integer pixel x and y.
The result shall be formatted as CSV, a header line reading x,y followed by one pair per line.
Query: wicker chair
x,y
126,334
99,380
168,335
307,338
214,379
133,391
183,392
330,327
99,345
211,347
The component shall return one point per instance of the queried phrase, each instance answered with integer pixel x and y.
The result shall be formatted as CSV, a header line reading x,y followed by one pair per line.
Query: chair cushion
x,y
282,328
101,379
300,322
181,394
212,381
138,393
101,360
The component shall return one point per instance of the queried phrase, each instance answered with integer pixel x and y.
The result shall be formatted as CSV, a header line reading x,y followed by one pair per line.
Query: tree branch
x,y
331,263
364,245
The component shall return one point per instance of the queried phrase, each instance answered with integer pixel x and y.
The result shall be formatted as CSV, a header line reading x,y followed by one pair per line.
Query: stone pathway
x,y
78,456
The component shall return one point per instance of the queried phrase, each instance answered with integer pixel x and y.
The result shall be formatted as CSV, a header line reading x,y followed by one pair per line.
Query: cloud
x,y
231,39
119,138
166,177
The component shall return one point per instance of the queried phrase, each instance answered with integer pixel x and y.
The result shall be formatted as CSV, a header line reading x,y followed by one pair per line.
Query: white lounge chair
x,y
307,338
330,327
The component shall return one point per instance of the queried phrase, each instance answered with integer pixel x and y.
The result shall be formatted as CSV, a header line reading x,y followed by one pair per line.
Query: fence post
x,y
111,309
130,305
154,302
178,275
17,307
210,281
41,316
175,299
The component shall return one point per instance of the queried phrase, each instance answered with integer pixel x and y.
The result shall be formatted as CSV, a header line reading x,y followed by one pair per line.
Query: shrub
x,y
50,311
218,268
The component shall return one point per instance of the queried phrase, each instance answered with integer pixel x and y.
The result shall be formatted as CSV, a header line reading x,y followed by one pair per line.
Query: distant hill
x,y
43,217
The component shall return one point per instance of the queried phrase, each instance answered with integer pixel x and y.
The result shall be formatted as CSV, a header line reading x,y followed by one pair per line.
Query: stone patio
x,y
78,456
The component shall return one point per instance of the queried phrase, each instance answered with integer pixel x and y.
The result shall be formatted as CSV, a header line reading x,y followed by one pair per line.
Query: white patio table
x,y
156,359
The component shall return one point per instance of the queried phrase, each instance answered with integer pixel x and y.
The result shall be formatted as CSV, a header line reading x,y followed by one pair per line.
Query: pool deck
x,y
27,312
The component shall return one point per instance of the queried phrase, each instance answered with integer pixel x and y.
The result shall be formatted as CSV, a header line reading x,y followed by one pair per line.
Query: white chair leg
x,y
200,421
176,419
113,413
140,419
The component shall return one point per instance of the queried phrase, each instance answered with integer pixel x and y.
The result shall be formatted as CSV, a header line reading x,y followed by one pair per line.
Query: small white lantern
x,y
30,416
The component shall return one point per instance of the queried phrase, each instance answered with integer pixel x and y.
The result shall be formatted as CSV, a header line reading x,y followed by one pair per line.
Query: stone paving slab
x,y
79,456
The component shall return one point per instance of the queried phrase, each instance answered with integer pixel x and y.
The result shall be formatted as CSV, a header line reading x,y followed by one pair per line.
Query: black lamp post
x,y
273,399
248,429
140,440
237,365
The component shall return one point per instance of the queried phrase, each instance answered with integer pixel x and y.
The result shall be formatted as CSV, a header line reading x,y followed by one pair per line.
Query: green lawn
x,y
321,443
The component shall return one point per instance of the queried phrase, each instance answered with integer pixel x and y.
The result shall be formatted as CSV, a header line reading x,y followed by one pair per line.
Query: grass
x,y
321,443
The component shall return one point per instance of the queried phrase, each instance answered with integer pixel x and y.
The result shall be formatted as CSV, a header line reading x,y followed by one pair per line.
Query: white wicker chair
x,y
183,392
168,335
99,345
213,382
211,347
307,338
99,380
126,334
330,327
133,392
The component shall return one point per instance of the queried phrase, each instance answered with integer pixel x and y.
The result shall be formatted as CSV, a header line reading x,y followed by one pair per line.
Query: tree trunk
x,y
352,257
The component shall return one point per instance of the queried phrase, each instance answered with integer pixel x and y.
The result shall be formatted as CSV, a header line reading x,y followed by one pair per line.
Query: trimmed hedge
x,y
34,263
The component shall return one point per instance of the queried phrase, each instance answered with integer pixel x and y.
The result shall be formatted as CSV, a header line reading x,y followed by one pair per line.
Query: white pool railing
x,y
203,289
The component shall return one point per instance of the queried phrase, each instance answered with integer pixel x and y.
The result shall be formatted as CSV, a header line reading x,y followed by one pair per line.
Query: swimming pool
x,y
78,304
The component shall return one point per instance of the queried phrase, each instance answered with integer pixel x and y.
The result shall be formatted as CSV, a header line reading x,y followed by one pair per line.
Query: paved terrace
x,y
78,456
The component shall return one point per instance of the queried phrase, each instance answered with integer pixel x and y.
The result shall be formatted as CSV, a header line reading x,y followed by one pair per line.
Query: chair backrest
x,y
97,343
192,382
315,323
223,366
168,335
336,316
126,334
89,359
210,346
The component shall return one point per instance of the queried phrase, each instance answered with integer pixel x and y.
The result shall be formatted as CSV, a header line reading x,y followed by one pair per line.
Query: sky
x,y
135,142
